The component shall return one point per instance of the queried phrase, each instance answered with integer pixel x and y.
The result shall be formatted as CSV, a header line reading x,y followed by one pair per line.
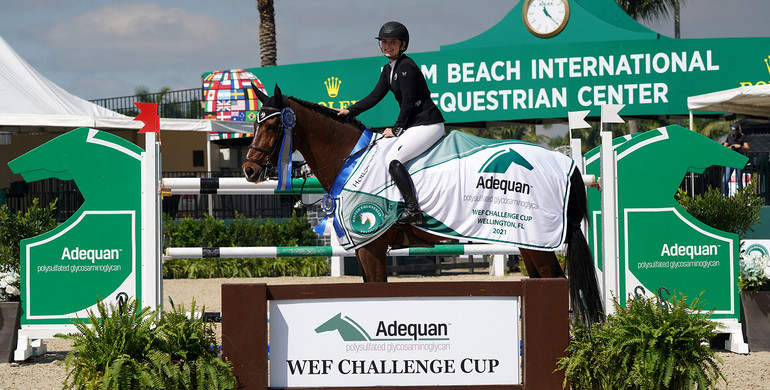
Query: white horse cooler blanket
x,y
494,191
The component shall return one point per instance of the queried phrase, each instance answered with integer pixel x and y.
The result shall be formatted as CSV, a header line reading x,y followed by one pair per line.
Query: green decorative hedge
x,y
210,232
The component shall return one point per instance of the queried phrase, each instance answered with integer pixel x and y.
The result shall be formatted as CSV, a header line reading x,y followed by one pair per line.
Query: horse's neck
x,y
323,142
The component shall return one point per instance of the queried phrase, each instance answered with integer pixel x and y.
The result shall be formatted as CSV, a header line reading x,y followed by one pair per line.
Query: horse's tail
x,y
583,285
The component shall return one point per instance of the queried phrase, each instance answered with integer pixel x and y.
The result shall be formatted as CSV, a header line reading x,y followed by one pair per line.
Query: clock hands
x,y
545,11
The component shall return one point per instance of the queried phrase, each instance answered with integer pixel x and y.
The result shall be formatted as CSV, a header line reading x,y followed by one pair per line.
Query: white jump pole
x,y
258,251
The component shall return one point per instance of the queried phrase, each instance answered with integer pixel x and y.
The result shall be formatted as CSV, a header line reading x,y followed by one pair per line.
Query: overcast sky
x,y
105,48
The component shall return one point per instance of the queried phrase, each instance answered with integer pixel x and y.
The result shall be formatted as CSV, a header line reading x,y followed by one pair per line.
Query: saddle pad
x,y
495,191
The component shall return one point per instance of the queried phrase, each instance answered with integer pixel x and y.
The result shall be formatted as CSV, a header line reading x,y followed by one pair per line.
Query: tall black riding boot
x,y
412,212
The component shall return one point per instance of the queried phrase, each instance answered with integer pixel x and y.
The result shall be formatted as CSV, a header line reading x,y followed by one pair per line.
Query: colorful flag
x,y
228,95
223,94
223,105
223,116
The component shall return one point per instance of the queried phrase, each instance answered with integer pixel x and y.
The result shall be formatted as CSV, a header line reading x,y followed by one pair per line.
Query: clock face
x,y
545,18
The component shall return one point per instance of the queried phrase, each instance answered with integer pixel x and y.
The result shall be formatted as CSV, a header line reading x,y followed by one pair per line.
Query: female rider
x,y
419,124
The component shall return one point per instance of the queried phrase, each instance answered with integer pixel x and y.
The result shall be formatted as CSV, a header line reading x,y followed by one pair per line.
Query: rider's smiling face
x,y
391,47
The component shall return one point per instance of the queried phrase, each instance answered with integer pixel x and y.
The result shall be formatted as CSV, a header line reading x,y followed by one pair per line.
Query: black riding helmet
x,y
394,30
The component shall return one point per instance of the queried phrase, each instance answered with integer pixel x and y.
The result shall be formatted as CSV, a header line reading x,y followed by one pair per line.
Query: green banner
x,y
96,254
602,56
659,244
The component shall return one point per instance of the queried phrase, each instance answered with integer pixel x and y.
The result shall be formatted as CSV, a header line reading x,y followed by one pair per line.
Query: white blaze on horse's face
x,y
262,150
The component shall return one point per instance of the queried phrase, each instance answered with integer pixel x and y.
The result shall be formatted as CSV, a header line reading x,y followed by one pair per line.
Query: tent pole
x,y
208,168
691,126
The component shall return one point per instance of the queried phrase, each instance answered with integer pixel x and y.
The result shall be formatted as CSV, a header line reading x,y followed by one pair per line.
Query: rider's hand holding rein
x,y
341,111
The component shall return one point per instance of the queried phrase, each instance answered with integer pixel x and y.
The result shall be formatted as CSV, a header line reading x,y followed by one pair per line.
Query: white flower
x,y
754,271
9,286
12,290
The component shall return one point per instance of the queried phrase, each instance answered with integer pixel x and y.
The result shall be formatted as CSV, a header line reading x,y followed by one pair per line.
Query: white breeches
x,y
414,141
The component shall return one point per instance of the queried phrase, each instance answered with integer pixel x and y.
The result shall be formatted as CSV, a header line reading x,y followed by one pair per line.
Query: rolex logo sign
x,y
332,86
767,64
760,82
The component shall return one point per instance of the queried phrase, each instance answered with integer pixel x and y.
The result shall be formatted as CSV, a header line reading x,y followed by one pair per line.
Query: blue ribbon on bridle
x,y
339,183
288,120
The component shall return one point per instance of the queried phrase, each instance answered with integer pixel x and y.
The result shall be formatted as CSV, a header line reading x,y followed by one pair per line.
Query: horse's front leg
x,y
372,260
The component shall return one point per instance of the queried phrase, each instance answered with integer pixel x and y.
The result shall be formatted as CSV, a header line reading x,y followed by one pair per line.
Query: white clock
x,y
545,18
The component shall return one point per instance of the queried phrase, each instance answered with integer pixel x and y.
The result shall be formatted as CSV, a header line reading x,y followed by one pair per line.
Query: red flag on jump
x,y
148,114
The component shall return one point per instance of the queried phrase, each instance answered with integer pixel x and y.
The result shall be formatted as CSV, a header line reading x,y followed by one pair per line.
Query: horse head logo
x,y
502,160
368,217
348,329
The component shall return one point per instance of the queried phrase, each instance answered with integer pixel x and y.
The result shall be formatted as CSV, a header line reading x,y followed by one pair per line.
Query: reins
x,y
269,112
312,172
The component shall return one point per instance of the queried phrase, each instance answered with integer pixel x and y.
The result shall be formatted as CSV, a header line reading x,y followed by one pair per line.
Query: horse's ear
x,y
260,95
277,95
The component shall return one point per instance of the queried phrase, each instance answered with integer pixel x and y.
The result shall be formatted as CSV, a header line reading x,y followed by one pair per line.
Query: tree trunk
x,y
633,126
267,44
676,19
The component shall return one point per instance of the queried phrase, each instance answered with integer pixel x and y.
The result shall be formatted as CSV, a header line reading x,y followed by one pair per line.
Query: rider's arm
x,y
379,92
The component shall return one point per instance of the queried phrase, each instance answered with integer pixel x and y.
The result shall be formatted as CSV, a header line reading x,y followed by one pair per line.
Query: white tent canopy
x,y
752,100
30,102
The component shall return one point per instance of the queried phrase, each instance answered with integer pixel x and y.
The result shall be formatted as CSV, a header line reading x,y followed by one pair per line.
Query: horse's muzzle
x,y
253,175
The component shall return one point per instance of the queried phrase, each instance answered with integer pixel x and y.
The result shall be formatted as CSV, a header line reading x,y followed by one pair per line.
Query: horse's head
x,y
268,134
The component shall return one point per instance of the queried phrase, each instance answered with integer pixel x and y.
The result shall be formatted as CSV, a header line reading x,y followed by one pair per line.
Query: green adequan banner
x,y
660,244
96,254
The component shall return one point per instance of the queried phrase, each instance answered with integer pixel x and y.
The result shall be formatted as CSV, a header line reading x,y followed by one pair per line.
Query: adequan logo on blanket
x,y
366,218
499,163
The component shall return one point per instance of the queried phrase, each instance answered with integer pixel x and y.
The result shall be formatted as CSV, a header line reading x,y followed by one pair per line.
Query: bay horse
x,y
326,140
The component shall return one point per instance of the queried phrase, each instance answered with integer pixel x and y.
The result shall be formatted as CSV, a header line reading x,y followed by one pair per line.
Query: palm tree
x,y
651,10
714,129
267,44
559,140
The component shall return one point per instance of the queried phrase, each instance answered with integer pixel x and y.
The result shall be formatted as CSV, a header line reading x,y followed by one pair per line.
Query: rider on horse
x,y
419,124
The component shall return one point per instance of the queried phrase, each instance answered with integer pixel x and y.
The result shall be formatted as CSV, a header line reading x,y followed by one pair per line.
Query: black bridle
x,y
264,161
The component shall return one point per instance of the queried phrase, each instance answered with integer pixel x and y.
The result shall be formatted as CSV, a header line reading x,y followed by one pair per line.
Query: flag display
x,y
228,96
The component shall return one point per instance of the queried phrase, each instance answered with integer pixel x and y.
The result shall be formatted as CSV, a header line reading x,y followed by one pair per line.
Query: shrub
x,y
645,345
132,348
735,214
208,232
17,226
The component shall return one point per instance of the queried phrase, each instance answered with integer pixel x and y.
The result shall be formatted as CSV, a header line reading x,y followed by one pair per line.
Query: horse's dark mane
x,y
330,113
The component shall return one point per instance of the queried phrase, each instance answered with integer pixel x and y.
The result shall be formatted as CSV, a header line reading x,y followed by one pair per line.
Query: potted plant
x,y
754,282
14,227
10,313
738,214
